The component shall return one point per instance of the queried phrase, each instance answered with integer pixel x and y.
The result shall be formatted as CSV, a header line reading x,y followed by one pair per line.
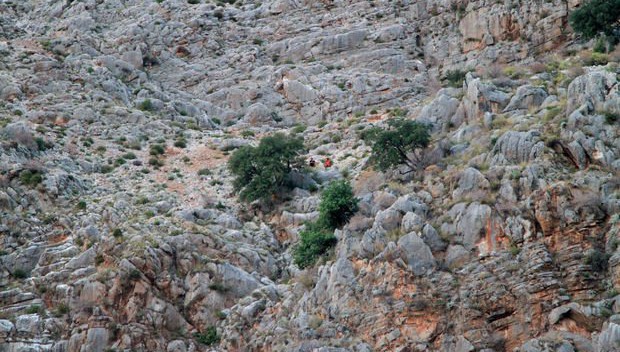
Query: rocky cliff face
x,y
119,229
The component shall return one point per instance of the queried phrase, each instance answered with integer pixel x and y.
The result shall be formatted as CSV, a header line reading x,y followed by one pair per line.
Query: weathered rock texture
x,y
120,231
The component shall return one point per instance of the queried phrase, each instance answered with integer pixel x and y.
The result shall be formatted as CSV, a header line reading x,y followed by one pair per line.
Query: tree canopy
x,y
337,204
596,16
400,143
261,171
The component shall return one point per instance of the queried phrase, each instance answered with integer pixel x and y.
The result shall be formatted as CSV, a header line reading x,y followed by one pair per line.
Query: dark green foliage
x,y
35,309
598,260
42,145
611,117
596,16
208,337
262,171
20,274
455,78
106,169
315,241
216,286
146,105
180,143
30,177
129,156
81,205
401,143
337,204
157,149
134,275
204,172
155,162
117,233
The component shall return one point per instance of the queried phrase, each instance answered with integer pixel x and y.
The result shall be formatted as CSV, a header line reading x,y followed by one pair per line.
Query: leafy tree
x,y
596,16
401,143
261,171
315,241
337,204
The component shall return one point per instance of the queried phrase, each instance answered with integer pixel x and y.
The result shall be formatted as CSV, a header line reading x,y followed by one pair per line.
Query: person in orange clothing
x,y
327,163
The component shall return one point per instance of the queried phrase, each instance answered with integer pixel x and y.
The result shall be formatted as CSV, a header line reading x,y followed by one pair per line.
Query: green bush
x,y
262,171
35,309
157,149
315,241
611,117
401,143
30,177
146,105
180,143
598,260
208,337
455,78
596,16
337,204
20,274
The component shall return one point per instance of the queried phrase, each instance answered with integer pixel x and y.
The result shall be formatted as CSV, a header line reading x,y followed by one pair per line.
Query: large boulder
x,y
472,184
516,147
416,254
593,91
482,97
527,97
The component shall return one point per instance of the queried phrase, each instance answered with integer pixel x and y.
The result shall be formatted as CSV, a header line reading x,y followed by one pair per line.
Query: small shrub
x,y
155,162
299,129
204,172
146,105
20,274
61,309
455,78
106,169
315,241
611,117
34,309
81,205
129,156
99,259
117,233
30,177
598,260
134,275
42,145
247,134
337,204
180,143
208,337
216,286
157,149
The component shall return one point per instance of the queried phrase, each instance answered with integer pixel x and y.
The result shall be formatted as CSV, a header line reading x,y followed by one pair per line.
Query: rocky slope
x,y
120,231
